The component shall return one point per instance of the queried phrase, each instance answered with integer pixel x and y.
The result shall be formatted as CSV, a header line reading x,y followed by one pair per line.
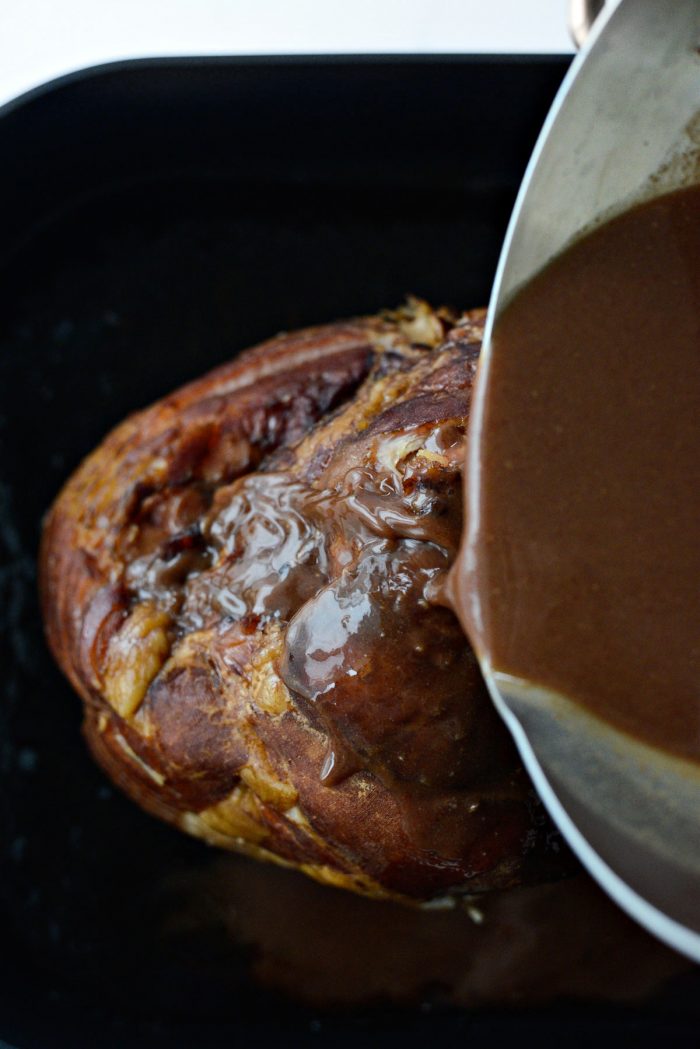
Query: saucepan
x,y
156,217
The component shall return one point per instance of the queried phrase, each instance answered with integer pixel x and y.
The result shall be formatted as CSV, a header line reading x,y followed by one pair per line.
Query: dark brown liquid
x,y
538,945
581,566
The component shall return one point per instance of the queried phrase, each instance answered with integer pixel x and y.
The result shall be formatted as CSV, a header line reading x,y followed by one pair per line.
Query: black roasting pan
x,y
156,217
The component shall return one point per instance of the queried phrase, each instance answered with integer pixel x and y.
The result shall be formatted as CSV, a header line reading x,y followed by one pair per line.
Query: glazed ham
x,y
245,584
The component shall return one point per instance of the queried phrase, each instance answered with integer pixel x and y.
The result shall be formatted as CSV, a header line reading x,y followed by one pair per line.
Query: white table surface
x,y
43,39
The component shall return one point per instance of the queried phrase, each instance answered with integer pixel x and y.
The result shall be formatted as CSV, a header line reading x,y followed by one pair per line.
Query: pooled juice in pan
x,y
580,567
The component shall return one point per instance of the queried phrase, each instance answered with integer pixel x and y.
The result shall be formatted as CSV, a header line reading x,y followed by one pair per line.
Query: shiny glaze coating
x,y
245,584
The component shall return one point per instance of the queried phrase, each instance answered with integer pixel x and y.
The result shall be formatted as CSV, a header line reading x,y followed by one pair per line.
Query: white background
x,y
42,39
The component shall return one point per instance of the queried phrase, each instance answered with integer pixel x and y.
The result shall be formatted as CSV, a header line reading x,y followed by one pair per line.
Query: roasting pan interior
x,y
155,219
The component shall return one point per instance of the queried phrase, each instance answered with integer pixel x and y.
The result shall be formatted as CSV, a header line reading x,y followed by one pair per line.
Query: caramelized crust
x,y
243,583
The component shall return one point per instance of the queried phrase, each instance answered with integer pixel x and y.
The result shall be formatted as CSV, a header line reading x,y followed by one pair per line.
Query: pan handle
x,y
582,15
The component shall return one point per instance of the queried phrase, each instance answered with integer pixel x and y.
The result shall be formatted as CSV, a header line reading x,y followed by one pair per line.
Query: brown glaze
x,y
244,582
581,565
535,945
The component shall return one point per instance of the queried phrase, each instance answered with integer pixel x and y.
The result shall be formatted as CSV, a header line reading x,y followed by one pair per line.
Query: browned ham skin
x,y
244,583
